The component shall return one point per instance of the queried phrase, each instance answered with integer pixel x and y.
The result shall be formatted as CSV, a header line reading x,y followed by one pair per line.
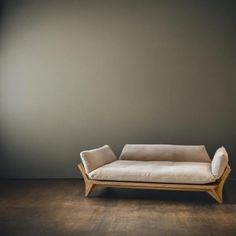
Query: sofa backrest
x,y
164,152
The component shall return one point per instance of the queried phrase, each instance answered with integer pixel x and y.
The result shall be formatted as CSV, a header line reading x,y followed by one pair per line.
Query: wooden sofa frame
x,y
214,189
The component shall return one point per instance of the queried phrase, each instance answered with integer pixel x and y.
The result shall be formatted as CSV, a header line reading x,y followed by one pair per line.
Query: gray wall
x,y
79,74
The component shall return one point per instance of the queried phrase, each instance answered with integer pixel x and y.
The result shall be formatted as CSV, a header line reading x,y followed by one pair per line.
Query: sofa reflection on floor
x,y
153,166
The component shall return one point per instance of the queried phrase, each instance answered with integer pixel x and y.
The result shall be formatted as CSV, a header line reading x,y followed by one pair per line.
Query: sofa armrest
x,y
219,162
92,159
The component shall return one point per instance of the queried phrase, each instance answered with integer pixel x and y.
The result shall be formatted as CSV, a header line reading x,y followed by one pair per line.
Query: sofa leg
x,y
216,195
219,191
88,188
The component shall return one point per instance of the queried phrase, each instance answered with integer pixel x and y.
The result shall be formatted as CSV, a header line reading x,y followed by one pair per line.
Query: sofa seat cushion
x,y
155,171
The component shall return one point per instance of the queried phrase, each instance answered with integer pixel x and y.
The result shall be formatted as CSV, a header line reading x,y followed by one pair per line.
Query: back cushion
x,y
219,162
155,152
92,159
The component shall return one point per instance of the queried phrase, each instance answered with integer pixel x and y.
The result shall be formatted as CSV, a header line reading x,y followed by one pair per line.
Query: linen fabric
x,y
155,152
95,158
219,162
155,171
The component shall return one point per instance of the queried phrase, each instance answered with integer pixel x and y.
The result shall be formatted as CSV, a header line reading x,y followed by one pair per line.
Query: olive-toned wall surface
x,y
76,75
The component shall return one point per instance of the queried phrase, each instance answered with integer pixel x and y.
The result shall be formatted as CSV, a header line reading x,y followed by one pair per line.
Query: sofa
x,y
159,167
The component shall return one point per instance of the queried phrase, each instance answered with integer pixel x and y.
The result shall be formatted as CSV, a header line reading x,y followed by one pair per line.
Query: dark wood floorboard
x,y
58,207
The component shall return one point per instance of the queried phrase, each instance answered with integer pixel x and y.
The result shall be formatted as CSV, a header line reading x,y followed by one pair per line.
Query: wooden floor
x,y
58,207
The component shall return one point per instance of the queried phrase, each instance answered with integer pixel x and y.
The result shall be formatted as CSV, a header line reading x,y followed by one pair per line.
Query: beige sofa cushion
x,y
155,171
155,152
219,162
95,158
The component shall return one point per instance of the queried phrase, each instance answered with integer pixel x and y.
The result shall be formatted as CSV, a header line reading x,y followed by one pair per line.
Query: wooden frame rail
x,y
214,189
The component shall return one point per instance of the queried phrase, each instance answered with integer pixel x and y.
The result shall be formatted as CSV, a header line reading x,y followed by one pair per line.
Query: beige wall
x,y
77,75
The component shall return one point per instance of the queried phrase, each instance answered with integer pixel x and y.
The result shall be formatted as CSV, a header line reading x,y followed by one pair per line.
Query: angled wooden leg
x,y
89,186
217,193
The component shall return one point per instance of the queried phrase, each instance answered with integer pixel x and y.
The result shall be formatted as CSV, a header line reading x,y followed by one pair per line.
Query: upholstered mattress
x,y
155,171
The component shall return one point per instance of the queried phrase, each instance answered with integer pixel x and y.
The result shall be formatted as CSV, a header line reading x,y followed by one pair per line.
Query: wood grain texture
x,y
214,189
58,207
